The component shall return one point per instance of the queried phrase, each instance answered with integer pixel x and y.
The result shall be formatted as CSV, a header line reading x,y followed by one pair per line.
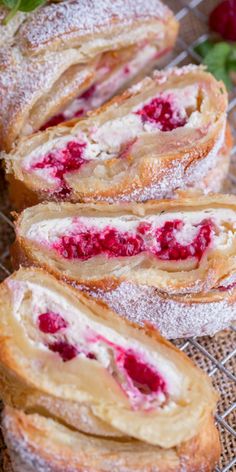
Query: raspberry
x,y
145,378
90,243
65,350
161,112
55,120
62,161
89,92
117,244
51,322
170,249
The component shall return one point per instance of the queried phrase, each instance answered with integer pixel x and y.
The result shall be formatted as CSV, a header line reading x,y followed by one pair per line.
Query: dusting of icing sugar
x,y
25,80
28,78
22,455
76,18
173,318
178,176
161,77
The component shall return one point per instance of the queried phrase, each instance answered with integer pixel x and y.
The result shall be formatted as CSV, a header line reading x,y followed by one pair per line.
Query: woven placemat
x,y
215,355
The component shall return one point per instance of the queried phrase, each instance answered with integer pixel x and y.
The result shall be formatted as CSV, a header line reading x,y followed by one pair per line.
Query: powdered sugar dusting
x,y
179,176
22,456
28,79
64,33
72,18
173,318
162,76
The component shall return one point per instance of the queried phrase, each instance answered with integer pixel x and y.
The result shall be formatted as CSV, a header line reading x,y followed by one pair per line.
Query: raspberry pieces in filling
x,y
164,113
66,351
139,378
144,377
167,242
54,121
170,249
51,322
89,243
62,161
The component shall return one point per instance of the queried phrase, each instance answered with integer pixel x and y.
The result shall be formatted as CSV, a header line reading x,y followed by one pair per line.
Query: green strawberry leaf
x,y
9,3
231,61
22,5
29,5
13,5
203,48
216,61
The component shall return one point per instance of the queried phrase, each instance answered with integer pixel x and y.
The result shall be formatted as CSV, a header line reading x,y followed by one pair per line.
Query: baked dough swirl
x,y
70,359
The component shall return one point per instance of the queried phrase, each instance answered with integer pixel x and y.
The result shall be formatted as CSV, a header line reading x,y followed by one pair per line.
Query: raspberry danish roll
x,y
165,133
73,55
171,263
71,359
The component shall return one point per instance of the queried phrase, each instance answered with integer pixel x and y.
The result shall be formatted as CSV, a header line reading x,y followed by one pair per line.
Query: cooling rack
x,y
217,355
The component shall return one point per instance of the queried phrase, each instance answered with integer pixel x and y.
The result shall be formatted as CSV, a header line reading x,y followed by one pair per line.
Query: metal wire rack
x,y
217,355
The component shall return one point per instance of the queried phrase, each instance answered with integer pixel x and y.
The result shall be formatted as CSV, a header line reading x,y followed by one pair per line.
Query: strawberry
x,y
223,19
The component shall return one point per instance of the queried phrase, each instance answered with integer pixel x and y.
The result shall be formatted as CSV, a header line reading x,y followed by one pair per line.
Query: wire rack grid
x,y
217,355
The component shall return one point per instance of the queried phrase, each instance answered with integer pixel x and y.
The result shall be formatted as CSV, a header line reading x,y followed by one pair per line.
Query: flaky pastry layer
x,y
37,443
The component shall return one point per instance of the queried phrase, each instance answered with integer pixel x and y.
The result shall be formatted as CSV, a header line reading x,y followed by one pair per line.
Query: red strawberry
x,y
223,19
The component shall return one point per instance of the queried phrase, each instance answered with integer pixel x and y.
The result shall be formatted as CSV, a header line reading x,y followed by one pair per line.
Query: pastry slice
x,y
165,133
37,444
71,358
70,56
153,261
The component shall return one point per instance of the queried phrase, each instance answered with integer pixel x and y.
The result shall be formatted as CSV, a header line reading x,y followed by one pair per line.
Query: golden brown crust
x,y
157,164
214,180
39,444
51,56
